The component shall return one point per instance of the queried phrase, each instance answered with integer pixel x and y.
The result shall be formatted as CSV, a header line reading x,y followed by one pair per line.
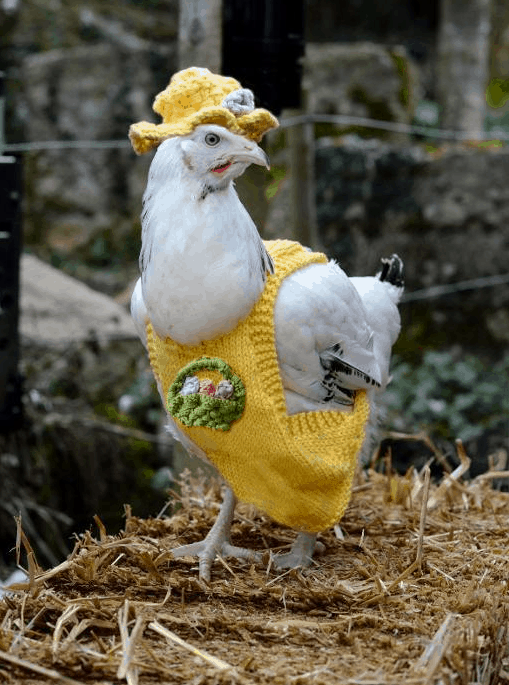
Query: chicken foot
x,y
301,552
217,541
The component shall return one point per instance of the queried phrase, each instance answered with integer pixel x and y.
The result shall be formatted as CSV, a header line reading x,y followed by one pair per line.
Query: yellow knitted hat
x,y
196,96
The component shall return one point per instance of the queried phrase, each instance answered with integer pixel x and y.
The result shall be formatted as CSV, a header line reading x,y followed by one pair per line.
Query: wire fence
x,y
452,288
38,146
410,129
338,119
311,119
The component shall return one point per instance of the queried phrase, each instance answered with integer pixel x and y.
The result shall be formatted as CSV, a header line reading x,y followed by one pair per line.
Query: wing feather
x,y
326,341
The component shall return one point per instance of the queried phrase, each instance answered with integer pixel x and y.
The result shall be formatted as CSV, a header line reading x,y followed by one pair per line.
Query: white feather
x,y
201,257
204,266
139,313
380,301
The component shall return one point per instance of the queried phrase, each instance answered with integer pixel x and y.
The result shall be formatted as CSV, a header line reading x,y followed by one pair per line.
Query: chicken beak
x,y
251,153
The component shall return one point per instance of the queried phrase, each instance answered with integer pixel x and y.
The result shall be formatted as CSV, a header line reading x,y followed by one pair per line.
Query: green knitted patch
x,y
204,410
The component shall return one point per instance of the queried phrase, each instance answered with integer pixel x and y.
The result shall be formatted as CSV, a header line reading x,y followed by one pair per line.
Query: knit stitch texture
x,y
194,97
298,469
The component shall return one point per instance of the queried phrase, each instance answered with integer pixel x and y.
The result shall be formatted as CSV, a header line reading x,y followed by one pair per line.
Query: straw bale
x,y
411,588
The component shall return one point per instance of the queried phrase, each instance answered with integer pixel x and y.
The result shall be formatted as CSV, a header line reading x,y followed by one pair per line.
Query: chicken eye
x,y
212,139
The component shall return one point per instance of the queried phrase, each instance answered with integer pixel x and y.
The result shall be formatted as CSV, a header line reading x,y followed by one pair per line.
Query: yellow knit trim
x,y
193,97
298,469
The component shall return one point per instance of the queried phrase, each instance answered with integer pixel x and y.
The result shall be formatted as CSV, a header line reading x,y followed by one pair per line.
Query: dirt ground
x,y
411,588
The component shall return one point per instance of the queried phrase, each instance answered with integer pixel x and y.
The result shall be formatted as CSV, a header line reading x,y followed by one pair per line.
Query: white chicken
x,y
203,269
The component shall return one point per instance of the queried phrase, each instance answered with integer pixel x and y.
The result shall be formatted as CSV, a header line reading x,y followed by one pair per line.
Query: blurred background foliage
x,y
448,395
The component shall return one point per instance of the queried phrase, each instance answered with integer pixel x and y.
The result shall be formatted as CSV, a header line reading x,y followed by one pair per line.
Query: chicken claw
x,y
301,553
217,541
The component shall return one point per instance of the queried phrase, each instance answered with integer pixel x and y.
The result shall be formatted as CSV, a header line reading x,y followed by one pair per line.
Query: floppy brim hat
x,y
196,96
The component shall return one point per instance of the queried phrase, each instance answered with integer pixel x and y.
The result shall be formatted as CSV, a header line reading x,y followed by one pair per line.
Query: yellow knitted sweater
x,y
298,469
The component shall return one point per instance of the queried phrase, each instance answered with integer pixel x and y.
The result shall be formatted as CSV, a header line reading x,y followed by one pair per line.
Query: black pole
x,y
263,43
10,247
2,112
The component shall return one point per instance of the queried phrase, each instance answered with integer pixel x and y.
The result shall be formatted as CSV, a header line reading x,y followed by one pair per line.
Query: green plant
x,y
110,412
497,92
278,175
451,397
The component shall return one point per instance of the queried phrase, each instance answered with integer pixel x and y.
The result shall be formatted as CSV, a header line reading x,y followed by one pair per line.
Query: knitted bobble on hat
x,y
196,96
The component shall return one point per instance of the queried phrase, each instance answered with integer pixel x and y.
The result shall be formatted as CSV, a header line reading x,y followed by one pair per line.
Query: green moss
x,y
110,412
431,148
489,144
402,68
65,386
497,92
325,130
377,109
139,450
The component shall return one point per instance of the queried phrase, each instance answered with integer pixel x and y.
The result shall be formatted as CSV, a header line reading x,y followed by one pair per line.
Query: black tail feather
x,y
392,271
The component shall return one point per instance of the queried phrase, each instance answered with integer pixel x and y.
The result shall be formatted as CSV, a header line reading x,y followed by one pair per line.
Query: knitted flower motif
x,y
199,403
240,101
224,390
191,385
207,387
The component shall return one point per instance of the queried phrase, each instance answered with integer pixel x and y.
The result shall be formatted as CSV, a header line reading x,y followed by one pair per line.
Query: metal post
x,y
10,246
263,46
263,43
2,113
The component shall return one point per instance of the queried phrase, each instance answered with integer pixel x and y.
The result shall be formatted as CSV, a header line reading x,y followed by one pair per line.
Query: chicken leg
x,y
301,552
217,541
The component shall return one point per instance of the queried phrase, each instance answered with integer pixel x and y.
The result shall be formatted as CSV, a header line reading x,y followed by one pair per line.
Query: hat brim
x,y
145,136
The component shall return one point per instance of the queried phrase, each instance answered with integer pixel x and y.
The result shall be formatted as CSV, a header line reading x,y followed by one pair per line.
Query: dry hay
x,y
411,589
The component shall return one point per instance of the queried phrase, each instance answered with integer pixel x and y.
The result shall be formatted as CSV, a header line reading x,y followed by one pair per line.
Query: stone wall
x,y
85,73
444,210
83,205
361,80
